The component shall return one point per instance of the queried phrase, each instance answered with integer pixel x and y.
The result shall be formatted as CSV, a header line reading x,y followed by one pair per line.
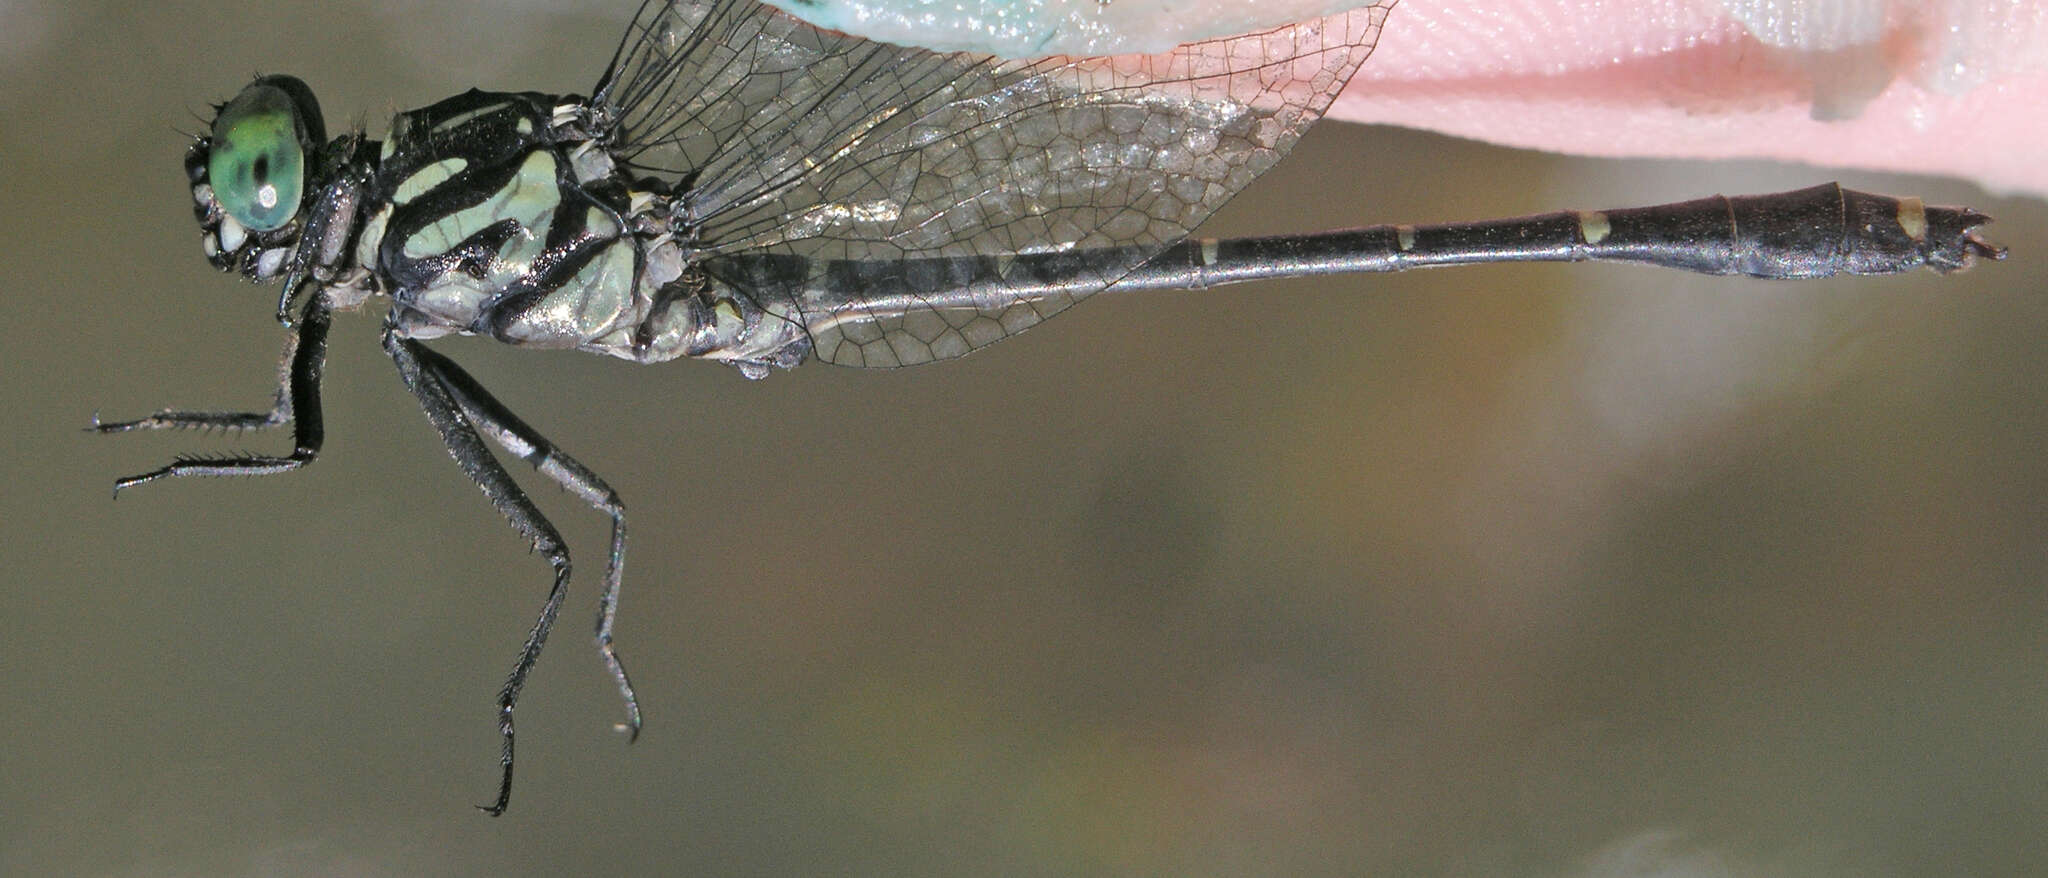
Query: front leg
x,y
298,401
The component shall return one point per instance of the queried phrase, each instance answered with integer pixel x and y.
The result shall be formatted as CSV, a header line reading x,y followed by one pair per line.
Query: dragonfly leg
x,y
457,405
298,401
521,440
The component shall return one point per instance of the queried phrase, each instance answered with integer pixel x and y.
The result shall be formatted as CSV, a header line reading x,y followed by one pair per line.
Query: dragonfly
x,y
744,188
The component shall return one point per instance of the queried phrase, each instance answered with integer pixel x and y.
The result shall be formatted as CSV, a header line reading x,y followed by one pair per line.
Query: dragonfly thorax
x,y
504,215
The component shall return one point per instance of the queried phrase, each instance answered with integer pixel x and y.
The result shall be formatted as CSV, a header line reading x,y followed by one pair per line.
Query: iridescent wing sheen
x,y
792,140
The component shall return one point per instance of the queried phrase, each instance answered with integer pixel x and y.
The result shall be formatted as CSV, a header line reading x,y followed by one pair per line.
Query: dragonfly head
x,y
250,175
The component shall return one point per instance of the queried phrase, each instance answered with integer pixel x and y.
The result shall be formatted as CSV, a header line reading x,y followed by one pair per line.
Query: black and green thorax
x,y
488,213
501,214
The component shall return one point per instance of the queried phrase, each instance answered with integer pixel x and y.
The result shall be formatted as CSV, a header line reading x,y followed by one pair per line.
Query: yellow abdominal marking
x,y
1593,226
1913,218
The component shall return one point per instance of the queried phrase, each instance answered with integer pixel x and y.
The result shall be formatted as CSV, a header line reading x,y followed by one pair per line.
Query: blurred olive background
x,y
1579,571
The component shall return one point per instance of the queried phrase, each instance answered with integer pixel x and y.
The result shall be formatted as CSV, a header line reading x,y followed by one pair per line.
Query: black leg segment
x,y
298,401
463,412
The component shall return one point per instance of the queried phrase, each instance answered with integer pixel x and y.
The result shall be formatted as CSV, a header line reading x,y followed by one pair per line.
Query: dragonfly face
x,y
249,176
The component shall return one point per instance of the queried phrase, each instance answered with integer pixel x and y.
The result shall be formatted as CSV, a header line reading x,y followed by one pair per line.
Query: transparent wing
x,y
791,140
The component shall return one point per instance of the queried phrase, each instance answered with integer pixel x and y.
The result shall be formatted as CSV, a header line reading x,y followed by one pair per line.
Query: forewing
x,y
792,140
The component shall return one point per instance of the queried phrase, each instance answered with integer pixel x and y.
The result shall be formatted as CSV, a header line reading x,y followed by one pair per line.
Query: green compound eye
x,y
257,166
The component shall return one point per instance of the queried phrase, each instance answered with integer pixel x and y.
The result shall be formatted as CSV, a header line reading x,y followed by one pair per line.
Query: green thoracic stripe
x,y
529,197
427,178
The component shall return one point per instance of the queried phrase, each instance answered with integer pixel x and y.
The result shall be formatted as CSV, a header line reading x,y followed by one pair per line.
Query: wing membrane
x,y
792,140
